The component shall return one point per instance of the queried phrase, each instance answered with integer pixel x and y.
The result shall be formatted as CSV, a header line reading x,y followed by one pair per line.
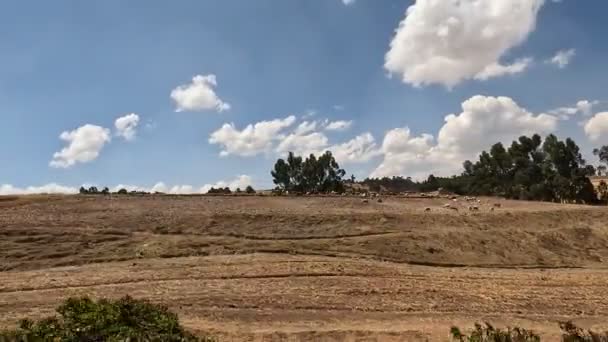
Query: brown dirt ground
x,y
331,269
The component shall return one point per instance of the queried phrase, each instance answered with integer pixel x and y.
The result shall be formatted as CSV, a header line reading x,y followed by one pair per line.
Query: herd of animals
x,y
471,203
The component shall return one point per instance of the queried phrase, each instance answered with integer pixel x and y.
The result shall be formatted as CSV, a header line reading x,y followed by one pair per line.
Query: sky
x,y
181,96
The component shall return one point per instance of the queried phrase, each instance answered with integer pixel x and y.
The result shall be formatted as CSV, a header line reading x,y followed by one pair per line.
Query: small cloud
x,y
126,126
562,58
309,114
338,107
340,125
199,95
150,125
497,69
583,107
84,145
348,2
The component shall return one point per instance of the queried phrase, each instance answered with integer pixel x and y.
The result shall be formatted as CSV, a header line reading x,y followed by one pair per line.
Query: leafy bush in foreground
x,y
487,333
82,319
491,334
572,333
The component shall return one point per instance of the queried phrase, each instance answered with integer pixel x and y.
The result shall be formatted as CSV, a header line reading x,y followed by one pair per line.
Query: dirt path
x,y
256,296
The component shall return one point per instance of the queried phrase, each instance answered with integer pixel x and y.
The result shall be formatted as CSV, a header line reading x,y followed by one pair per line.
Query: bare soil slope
x,y
310,268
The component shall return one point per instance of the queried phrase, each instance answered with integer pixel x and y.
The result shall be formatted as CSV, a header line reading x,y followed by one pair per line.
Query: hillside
x,y
326,268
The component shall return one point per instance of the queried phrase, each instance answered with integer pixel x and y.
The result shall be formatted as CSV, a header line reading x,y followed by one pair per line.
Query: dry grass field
x,y
329,269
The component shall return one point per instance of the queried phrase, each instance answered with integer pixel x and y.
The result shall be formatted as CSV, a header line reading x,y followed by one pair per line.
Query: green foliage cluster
x,y
94,191
392,184
529,169
126,319
488,333
314,175
105,191
572,333
602,154
221,191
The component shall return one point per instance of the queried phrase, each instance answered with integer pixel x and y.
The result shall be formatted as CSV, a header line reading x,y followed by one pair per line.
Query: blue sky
x,y
67,65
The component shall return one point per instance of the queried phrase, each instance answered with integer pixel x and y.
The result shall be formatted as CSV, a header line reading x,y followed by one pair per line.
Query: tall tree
x,y
280,175
530,169
602,154
314,174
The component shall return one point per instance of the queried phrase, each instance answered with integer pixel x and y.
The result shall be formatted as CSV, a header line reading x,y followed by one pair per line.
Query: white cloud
x,y
309,114
302,144
597,127
497,69
253,139
84,145
51,188
199,95
404,153
159,187
483,121
340,125
399,140
128,188
240,182
126,126
306,127
304,140
279,137
447,42
582,107
348,2
182,190
562,58
486,120
585,106
360,149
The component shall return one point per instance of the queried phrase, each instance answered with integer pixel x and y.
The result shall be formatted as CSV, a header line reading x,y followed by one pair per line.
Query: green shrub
x,y
572,333
126,319
488,333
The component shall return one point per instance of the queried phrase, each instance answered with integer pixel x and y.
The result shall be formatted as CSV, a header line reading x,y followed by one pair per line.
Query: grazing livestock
x,y
449,206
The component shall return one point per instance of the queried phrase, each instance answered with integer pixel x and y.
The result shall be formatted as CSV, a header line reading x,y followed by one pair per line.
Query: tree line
x,y
529,169
93,190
